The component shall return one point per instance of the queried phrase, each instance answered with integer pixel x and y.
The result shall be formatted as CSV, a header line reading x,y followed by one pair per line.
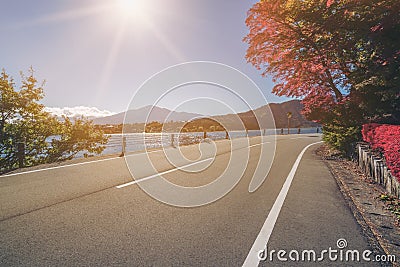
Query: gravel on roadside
x,y
367,201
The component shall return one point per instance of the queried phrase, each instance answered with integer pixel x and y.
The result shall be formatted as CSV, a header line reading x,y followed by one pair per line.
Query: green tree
x,y
76,136
24,120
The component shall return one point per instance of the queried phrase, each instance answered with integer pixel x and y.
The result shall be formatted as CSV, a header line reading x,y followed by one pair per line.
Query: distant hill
x,y
295,107
279,111
140,115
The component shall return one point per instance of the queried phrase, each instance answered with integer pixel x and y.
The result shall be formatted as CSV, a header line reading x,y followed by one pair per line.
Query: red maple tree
x,y
322,52
340,57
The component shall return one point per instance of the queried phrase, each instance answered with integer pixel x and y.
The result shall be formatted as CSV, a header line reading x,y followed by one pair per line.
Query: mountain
x,y
297,120
279,112
140,115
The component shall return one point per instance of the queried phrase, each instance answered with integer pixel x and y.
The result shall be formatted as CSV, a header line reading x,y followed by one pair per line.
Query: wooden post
x,y
226,135
172,140
375,168
21,154
204,135
123,146
289,115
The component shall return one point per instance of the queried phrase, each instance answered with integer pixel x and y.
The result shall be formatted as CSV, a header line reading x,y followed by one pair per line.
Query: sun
x,y
132,8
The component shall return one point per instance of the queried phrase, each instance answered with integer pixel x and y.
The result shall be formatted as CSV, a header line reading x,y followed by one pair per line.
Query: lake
x,y
142,141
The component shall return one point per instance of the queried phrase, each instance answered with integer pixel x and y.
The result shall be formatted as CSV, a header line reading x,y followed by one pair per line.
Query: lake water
x,y
142,141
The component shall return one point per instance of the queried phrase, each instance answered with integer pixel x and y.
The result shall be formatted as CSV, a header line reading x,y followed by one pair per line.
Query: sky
x,y
95,54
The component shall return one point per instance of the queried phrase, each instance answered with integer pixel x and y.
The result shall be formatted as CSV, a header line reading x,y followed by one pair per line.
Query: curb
x,y
370,231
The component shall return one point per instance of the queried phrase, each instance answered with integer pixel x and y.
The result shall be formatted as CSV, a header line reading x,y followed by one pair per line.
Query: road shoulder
x,y
362,196
315,217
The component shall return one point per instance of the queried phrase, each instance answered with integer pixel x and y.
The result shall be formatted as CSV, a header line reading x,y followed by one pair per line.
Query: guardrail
x,y
130,142
141,141
374,166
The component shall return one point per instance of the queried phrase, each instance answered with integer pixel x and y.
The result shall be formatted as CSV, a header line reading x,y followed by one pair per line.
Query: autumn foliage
x,y
385,139
341,58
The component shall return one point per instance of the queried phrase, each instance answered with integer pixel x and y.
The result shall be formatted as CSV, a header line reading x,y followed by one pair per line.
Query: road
x,y
93,214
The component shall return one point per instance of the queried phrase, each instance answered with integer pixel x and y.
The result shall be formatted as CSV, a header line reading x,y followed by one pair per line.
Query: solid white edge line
x,y
75,164
72,165
269,224
56,167
161,173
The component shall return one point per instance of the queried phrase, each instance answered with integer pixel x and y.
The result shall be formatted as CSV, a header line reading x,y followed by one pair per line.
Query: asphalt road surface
x,y
94,214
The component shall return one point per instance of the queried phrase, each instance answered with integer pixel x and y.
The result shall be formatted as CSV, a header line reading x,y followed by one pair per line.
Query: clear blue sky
x,y
93,53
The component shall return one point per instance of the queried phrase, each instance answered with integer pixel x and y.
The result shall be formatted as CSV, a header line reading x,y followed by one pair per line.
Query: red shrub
x,y
368,132
386,139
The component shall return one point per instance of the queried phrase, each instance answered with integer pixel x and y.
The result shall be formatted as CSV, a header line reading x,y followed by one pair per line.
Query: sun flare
x,y
132,8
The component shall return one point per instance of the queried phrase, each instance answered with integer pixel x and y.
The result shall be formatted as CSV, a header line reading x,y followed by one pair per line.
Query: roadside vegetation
x,y
29,135
385,140
342,58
